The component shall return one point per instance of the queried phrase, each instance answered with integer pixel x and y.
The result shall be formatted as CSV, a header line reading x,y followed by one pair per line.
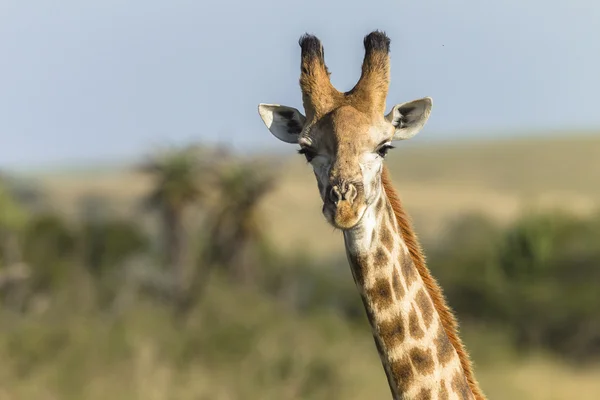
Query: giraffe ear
x,y
285,123
409,118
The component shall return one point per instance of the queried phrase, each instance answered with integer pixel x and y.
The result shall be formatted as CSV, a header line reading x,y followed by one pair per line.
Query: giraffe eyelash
x,y
308,153
383,149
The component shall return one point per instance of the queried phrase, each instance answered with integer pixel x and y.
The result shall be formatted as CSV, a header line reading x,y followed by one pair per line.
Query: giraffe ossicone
x,y
345,137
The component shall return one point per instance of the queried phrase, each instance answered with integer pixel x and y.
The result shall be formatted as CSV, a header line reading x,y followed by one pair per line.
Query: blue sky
x,y
96,80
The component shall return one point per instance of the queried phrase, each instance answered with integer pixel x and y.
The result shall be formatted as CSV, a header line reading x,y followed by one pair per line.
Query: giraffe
x,y
345,138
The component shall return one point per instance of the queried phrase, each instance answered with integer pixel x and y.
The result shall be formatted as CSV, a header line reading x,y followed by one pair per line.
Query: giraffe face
x,y
345,136
346,148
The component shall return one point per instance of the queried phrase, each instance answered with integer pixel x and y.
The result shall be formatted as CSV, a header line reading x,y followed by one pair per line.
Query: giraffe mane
x,y
435,291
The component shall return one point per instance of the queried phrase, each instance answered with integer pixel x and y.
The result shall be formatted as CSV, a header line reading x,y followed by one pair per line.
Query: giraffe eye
x,y
382,150
308,153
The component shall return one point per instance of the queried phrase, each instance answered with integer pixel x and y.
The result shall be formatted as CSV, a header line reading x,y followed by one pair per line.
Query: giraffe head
x,y
345,136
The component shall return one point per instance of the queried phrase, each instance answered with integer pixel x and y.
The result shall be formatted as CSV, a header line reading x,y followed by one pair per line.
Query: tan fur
x,y
435,292
369,94
318,94
319,97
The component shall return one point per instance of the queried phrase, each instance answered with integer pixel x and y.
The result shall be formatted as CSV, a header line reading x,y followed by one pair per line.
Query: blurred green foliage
x,y
538,277
48,249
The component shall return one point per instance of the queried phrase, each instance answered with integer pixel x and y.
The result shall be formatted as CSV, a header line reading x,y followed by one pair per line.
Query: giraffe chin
x,y
344,215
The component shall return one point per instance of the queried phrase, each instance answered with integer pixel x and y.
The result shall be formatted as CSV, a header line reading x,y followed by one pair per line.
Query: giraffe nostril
x,y
351,193
345,191
335,195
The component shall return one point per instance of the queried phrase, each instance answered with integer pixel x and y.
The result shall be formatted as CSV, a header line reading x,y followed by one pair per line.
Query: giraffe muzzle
x,y
343,192
344,205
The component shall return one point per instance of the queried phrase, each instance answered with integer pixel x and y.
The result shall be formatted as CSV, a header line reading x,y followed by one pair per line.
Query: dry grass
x,y
540,378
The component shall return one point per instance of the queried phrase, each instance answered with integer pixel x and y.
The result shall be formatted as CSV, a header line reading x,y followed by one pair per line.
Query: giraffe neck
x,y
417,356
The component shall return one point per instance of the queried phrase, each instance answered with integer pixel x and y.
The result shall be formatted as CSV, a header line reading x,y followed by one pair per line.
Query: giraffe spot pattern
x,y
389,209
392,332
359,266
459,384
424,394
422,360
380,294
445,351
386,238
443,394
379,206
384,362
380,259
397,284
391,217
369,311
403,374
414,327
408,270
426,307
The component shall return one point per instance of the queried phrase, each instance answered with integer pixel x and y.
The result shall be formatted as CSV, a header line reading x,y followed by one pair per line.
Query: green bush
x,y
48,248
109,243
539,277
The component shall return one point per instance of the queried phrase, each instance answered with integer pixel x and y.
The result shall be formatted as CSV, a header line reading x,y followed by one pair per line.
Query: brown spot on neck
x,y
391,332
383,358
443,395
380,204
403,373
408,270
422,360
359,266
460,387
380,258
380,294
397,285
414,326
390,218
385,236
424,304
445,351
424,394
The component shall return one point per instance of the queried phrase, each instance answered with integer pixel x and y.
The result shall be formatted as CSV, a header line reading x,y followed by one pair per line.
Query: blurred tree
x,y
177,176
49,246
110,243
13,219
236,224
14,273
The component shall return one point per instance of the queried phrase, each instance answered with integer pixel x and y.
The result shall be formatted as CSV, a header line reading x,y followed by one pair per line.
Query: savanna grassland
x,y
510,229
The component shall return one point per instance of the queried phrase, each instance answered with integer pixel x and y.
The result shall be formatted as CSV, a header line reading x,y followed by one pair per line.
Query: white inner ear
x,y
410,117
285,123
